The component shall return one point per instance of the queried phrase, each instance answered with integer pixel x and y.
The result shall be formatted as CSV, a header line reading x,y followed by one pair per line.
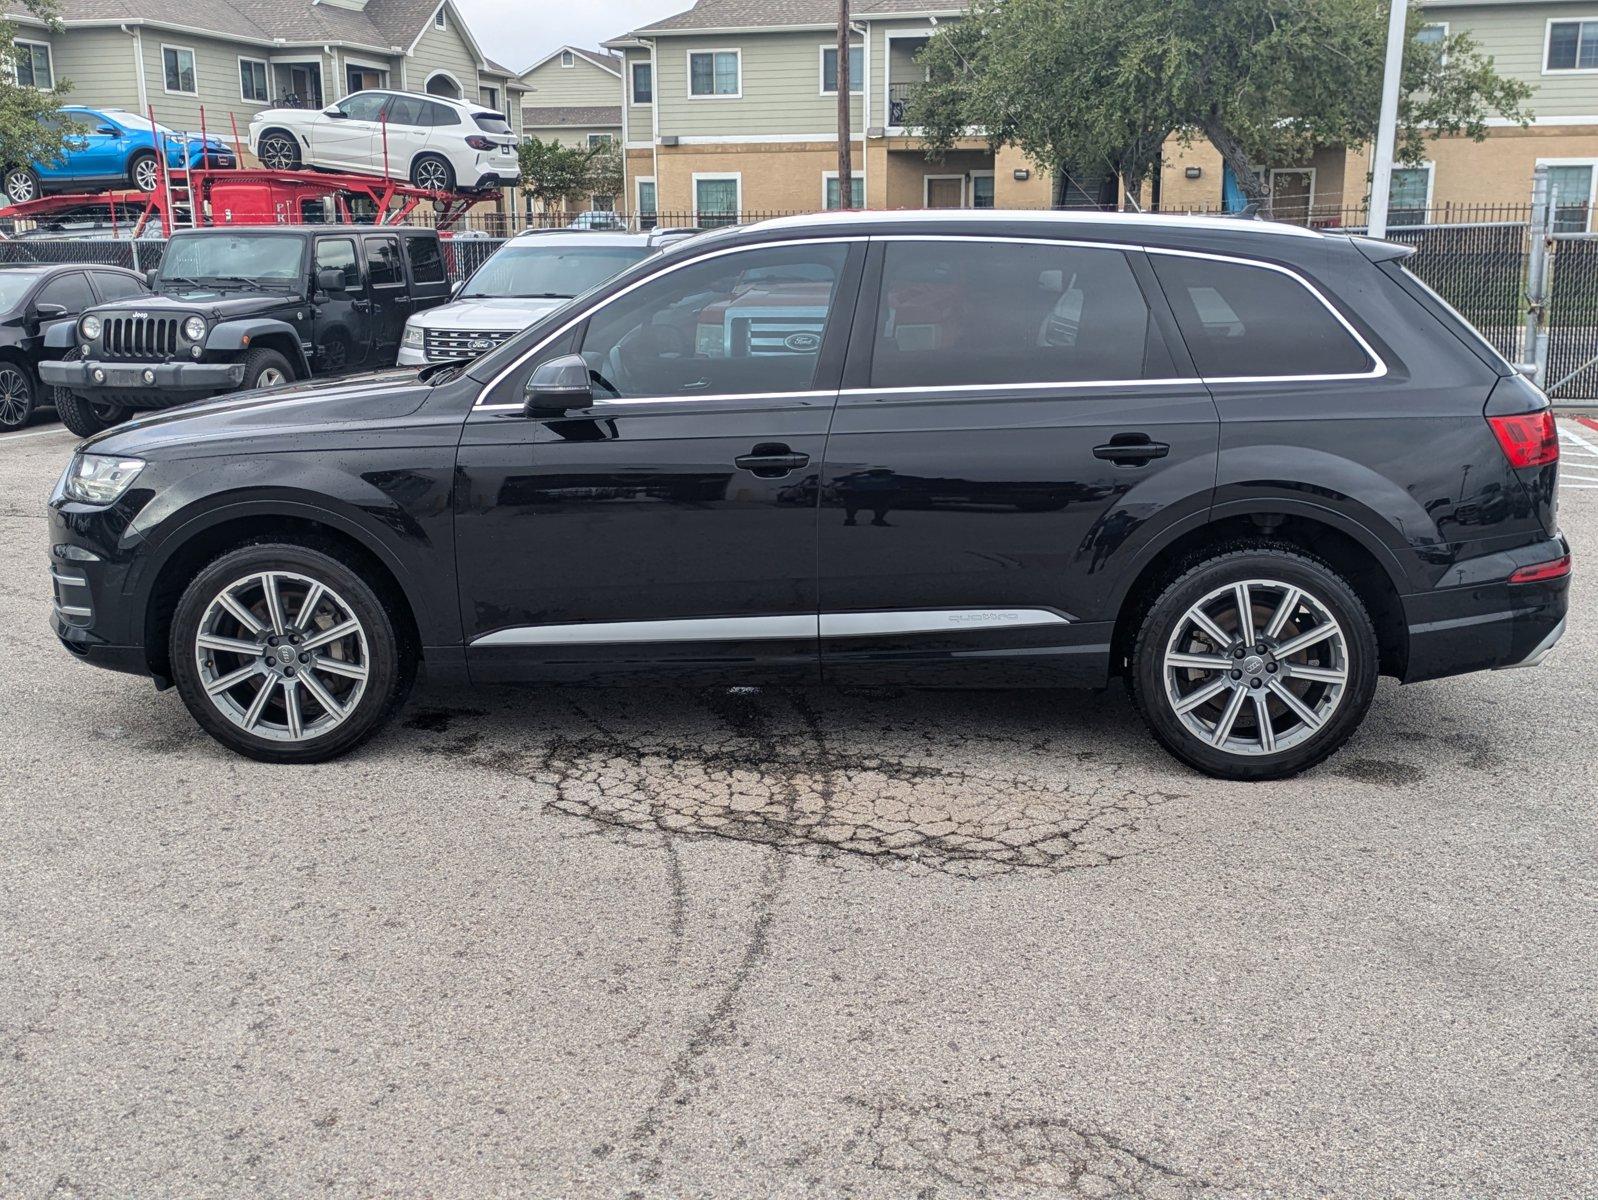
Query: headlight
x,y
89,327
413,337
194,328
100,478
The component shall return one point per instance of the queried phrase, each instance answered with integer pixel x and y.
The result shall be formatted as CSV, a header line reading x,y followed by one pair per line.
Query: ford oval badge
x,y
802,343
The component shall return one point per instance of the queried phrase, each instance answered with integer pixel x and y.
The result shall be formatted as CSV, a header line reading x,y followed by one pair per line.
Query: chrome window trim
x,y
782,627
1379,369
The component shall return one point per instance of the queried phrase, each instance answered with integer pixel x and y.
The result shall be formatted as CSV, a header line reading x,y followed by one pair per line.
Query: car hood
x,y
212,302
353,402
491,314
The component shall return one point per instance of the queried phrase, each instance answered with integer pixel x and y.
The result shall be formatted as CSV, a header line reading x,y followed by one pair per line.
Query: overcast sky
x,y
517,33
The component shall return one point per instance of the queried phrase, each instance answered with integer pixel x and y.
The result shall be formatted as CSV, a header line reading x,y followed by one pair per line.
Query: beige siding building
x,y
573,96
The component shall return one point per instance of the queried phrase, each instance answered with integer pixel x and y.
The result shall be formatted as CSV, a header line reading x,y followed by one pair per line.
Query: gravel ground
x,y
739,944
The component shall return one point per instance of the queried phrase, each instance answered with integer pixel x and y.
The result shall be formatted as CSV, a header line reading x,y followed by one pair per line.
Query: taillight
x,y
477,142
1528,439
1542,572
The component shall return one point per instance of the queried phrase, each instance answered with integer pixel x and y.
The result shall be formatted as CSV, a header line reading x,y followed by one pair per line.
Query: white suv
x,y
448,145
529,276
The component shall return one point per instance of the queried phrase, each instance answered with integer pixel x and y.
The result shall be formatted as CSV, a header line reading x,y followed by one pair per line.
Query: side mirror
x,y
331,279
49,312
333,110
558,386
109,131
455,288
151,276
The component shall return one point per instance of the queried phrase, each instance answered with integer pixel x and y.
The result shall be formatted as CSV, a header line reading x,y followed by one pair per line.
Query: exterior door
x,y
946,191
1017,421
391,301
671,522
340,321
1292,194
348,141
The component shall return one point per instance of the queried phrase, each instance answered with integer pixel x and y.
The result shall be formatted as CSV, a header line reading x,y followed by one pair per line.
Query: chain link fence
x,y
1573,318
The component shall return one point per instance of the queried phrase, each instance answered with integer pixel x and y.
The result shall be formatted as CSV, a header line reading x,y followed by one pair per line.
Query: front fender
x,y
63,335
233,336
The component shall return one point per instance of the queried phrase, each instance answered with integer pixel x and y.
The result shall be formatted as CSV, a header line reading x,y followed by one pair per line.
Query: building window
x,y
600,139
1571,186
602,202
857,190
252,80
178,64
489,97
568,59
648,206
1572,46
714,73
1433,34
981,191
439,20
33,65
1410,196
359,79
829,70
716,199
643,83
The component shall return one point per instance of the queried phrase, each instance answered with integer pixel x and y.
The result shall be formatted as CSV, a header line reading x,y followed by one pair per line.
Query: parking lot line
x,y
1578,458
17,437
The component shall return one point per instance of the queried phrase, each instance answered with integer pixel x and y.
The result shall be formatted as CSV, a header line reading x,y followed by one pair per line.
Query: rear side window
x,y
1240,321
974,313
383,261
427,260
440,114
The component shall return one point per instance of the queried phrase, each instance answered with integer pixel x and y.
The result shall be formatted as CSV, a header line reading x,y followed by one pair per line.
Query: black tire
x,y
433,171
265,368
18,394
389,661
86,418
1269,570
144,173
22,185
278,150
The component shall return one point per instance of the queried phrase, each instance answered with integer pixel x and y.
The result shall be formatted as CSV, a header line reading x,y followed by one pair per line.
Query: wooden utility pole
x,y
845,146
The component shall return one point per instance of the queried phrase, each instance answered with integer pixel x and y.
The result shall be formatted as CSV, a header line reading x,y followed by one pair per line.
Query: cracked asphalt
x,y
770,943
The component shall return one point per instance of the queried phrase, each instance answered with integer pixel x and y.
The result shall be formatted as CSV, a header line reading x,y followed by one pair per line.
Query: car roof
x,y
470,106
219,230
588,237
1056,218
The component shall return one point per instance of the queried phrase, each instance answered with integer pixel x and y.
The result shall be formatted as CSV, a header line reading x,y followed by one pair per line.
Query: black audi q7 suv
x,y
1246,467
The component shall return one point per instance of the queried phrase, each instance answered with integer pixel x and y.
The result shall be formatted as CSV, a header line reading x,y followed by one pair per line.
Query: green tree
x,y
25,135
1089,84
557,175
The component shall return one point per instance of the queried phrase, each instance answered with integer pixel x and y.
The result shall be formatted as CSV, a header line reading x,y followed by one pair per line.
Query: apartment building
x,y
573,96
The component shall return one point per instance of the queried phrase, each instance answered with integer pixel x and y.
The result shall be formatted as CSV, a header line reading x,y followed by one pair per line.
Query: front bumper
x,y
91,611
412,356
125,382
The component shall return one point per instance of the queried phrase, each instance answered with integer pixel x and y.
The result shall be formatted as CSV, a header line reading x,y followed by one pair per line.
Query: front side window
x,y
178,63
383,261
71,292
750,323
716,201
974,313
252,80
713,73
365,106
1246,321
427,259
339,254
34,66
829,70
1572,46
643,83
1570,187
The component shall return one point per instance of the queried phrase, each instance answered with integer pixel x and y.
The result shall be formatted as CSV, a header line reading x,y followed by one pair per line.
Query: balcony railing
x,y
900,96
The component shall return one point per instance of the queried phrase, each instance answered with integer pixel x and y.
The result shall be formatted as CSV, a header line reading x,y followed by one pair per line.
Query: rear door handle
x,y
771,460
1131,449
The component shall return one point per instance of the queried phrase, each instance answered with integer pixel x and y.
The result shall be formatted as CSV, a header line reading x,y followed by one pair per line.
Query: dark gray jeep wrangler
x,y
241,308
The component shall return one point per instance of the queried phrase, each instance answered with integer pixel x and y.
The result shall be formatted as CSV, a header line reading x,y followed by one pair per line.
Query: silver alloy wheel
x,y
278,153
1256,667
270,378
145,175
282,656
14,398
432,174
19,187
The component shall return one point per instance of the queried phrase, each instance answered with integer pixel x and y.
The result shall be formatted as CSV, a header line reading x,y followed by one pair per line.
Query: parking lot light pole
x,y
1387,123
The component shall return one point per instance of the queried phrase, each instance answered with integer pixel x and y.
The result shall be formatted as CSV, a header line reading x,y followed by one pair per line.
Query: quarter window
x,y
1241,320
973,313
1572,46
713,73
252,80
740,324
34,68
383,260
427,260
178,63
339,253
643,83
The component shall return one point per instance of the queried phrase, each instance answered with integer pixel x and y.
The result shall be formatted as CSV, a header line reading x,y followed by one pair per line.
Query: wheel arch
x,y
1350,549
270,334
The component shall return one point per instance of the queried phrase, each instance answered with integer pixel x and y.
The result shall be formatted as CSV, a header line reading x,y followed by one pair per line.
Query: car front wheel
x,y
86,417
284,653
279,151
1256,664
266,369
16,395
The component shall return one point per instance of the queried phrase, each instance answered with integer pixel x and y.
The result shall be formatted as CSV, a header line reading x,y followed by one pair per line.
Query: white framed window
x,y
1571,45
829,70
643,77
568,59
715,74
252,80
718,198
982,189
1573,185
440,21
489,97
1292,194
600,139
1432,33
648,202
177,70
830,194
34,66
1410,196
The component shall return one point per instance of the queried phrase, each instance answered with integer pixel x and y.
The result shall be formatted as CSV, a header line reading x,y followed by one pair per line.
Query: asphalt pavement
x,y
772,943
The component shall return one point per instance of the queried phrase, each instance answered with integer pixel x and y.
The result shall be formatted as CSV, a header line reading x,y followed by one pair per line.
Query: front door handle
x,y
1131,450
771,460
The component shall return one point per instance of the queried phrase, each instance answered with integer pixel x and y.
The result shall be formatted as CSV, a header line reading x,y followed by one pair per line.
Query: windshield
x,y
549,271
13,286
261,258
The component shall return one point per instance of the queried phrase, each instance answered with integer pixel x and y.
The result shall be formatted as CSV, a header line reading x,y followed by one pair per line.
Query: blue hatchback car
x,y
113,148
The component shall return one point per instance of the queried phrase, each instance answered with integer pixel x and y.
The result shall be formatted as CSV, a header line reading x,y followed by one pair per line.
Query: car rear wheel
x,y
434,172
16,396
1256,664
22,185
279,151
266,369
86,417
284,653
143,172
